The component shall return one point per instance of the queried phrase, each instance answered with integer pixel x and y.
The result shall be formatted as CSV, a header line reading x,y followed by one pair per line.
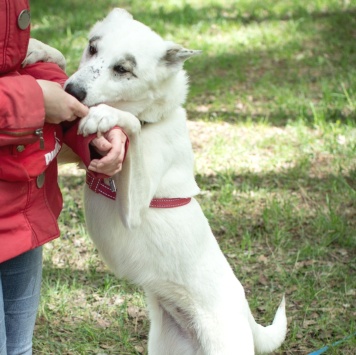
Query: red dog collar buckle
x,y
98,185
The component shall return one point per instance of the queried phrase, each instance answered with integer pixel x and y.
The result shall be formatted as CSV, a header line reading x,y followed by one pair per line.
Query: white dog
x,y
154,233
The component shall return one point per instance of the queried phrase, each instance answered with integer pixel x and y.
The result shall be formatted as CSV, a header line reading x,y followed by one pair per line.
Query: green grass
x,y
273,125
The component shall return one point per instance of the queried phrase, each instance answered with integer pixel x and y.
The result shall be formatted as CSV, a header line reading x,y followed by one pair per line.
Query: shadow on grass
x,y
89,276
318,209
288,179
278,118
283,81
252,12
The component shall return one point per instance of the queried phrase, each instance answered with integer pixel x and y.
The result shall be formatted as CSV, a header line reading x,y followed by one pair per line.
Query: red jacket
x,y
30,199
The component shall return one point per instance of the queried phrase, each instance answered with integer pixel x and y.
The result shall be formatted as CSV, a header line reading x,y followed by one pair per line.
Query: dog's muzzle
x,y
77,91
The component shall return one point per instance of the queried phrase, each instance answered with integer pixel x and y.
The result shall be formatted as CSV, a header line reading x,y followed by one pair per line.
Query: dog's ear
x,y
176,55
118,12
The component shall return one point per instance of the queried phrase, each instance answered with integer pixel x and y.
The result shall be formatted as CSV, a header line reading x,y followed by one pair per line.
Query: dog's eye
x,y
120,69
92,50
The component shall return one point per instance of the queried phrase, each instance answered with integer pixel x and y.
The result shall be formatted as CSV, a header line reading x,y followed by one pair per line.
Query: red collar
x,y
98,185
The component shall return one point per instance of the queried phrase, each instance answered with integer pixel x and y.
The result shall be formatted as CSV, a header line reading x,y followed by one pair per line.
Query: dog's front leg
x,y
131,193
102,118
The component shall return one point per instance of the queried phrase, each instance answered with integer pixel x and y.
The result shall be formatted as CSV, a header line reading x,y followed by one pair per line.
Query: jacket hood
x,y
14,33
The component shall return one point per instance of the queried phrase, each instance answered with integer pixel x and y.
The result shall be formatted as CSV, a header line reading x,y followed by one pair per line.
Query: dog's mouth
x,y
81,94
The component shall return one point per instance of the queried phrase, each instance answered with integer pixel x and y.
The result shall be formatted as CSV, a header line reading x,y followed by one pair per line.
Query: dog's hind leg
x,y
220,341
166,336
229,336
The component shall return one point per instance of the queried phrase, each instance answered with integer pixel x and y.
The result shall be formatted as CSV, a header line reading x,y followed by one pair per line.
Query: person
x,y
36,117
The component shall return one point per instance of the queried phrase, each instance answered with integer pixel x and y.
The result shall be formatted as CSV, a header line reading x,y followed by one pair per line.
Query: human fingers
x,y
117,135
112,144
117,153
79,110
111,163
101,144
106,169
118,140
60,106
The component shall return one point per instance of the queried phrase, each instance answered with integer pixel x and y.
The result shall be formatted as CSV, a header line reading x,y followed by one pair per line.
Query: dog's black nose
x,y
78,92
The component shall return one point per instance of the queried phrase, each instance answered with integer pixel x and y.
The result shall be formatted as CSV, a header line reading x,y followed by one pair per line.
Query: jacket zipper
x,y
37,132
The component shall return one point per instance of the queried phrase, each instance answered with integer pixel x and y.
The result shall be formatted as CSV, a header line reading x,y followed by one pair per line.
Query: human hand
x,y
112,146
60,106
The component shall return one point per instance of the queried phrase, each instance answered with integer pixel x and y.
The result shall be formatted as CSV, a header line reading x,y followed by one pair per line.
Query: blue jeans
x,y
20,284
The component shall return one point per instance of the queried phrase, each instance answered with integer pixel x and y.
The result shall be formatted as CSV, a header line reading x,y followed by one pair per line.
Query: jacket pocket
x,y
11,137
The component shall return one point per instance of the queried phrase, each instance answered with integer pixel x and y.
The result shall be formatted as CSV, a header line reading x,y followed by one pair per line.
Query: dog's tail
x,y
268,339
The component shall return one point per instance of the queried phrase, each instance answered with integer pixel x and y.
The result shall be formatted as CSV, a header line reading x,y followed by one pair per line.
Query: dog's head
x,y
128,66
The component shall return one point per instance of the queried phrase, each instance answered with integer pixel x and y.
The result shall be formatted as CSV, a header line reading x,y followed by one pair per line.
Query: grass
x,y
273,126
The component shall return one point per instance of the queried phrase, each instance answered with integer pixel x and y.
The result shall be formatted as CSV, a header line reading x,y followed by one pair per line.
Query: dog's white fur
x,y
38,51
196,304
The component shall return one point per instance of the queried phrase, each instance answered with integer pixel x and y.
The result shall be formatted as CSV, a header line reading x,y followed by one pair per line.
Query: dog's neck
x,y
162,99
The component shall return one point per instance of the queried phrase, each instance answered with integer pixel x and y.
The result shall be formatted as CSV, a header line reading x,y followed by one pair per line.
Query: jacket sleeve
x,y
45,71
22,109
21,103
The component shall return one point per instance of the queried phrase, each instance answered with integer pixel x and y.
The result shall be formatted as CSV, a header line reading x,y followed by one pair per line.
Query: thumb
x,y
80,110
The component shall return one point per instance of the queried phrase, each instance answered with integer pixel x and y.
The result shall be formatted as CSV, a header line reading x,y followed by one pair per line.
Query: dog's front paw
x,y
133,126
40,52
90,123
102,118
